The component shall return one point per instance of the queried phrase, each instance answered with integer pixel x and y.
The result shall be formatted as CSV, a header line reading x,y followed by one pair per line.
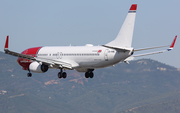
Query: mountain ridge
x,y
113,89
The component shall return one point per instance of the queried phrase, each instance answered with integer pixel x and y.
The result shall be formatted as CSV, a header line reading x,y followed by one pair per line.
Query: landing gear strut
x,y
89,73
62,74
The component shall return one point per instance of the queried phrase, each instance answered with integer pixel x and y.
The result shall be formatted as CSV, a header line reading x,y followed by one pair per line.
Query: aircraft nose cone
x,y
25,62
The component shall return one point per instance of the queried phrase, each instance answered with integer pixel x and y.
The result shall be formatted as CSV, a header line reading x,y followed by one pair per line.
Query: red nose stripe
x,y
25,62
31,51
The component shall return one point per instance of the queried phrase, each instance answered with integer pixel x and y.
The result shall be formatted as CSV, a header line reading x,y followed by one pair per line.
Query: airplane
x,y
84,58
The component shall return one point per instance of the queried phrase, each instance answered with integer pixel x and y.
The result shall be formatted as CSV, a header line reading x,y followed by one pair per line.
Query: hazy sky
x,y
31,23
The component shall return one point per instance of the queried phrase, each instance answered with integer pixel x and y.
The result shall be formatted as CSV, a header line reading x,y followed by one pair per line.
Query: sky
x,y
32,23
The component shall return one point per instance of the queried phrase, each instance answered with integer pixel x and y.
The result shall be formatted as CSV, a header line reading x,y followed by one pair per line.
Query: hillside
x,y
172,106
114,89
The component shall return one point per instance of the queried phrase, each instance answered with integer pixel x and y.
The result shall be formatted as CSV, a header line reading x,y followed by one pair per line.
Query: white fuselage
x,y
83,57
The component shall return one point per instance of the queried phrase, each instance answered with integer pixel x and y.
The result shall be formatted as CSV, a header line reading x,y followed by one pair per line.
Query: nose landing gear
x,y
29,74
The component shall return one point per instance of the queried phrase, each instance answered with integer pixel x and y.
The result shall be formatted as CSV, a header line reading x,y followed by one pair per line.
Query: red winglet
x,y
6,44
133,7
172,45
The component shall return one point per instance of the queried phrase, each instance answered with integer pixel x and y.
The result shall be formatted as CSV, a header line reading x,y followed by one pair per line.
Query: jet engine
x,y
37,67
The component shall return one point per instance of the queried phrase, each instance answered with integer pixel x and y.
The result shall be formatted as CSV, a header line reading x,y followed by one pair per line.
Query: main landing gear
x,y
89,73
62,74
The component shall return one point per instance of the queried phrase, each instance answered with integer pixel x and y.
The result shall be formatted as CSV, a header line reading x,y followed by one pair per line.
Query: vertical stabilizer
x,y
124,37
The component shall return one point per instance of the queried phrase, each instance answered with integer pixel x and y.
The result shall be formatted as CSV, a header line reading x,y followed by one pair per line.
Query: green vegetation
x,y
144,85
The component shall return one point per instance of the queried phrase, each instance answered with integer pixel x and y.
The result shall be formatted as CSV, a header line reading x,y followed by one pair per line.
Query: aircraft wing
x,y
150,48
49,62
171,46
18,54
151,53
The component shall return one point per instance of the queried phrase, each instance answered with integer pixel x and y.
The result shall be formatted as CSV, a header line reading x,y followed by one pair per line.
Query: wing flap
x,y
54,63
141,49
157,52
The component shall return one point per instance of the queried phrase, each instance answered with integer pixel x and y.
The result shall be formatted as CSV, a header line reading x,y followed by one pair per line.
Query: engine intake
x,y
37,67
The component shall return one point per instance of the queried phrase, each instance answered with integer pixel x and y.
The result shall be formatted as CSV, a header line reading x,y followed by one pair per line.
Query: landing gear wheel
x,y
87,74
60,75
91,74
29,75
64,75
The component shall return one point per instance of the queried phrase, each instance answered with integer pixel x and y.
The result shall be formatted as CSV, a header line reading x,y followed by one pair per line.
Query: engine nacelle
x,y
37,67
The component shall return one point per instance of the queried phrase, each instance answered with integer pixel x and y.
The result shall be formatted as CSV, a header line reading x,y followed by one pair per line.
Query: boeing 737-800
x,y
83,58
